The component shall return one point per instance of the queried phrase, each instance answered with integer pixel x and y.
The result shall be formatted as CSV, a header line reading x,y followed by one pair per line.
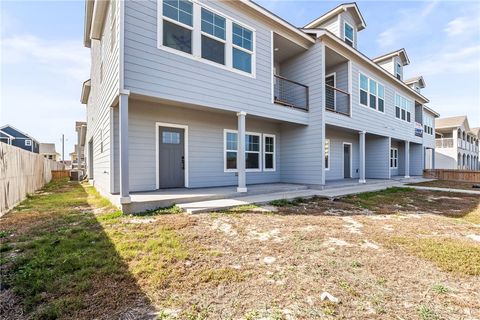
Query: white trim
x,y
28,142
412,112
360,73
197,38
351,158
272,58
394,158
334,74
157,151
337,11
260,164
353,33
274,153
325,154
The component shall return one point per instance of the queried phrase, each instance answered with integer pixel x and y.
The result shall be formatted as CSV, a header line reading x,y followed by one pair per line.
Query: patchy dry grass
x,y
399,253
448,184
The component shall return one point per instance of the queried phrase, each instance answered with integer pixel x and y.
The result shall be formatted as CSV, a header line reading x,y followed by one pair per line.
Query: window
x,y
372,93
213,37
194,30
393,158
177,24
252,151
348,34
403,108
170,137
268,152
327,154
398,71
428,124
28,143
242,48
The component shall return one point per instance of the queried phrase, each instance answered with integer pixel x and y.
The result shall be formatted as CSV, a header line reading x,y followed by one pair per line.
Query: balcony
x,y
337,100
444,143
290,93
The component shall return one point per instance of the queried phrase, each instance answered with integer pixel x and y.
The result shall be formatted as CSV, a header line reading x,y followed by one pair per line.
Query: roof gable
x,y
452,122
14,132
419,80
352,7
400,53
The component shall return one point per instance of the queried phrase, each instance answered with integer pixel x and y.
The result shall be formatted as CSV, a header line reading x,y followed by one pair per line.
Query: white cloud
x,y
465,60
68,58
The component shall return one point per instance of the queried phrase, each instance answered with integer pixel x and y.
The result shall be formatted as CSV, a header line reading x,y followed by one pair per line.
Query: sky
x,y
43,62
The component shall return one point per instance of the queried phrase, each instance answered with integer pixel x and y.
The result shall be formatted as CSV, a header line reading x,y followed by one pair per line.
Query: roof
x,y
330,35
435,113
85,91
48,148
400,53
450,122
6,134
337,10
418,79
13,130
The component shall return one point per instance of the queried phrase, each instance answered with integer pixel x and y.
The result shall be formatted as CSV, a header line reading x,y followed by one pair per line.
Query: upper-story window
x,y
403,108
178,24
398,71
372,93
28,142
194,30
428,124
348,34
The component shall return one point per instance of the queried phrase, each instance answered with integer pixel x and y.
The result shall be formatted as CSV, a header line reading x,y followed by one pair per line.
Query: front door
x,y
171,157
346,161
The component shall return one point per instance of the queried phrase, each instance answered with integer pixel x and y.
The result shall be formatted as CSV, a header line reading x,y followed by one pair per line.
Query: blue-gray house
x,y
17,138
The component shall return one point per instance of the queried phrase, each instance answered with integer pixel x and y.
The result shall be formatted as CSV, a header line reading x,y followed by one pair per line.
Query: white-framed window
x,y
372,93
403,108
194,30
327,154
269,152
393,158
348,34
28,142
428,124
398,71
253,143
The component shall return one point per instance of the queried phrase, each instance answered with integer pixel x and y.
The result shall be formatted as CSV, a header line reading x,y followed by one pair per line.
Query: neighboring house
x,y
221,93
48,151
15,137
457,145
78,155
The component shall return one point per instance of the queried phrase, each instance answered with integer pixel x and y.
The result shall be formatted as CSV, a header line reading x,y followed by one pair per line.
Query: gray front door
x,y
171,158
346,161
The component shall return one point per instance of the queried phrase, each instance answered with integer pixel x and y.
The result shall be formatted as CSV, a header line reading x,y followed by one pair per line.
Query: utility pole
x,y
63,148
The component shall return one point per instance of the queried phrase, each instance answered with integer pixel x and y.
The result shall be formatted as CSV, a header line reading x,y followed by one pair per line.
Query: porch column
x,y
407,159
123,144
242,185
361,169
433,158
78,149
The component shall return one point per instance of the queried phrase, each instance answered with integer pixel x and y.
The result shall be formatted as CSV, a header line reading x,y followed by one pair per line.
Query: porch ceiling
x,y
333,59
285,49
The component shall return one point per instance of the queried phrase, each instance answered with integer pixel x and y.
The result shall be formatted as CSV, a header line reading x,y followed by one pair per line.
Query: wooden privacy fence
x,y
22,172
454,175
60,174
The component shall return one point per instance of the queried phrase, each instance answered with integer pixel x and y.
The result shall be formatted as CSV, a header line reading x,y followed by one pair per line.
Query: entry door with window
x,y
330,92
171,158
346,161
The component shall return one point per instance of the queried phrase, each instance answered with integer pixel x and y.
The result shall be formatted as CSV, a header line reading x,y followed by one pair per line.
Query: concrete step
x,y
223,204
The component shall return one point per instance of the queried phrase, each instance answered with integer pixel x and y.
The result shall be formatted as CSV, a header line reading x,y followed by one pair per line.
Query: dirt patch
x,y
447,184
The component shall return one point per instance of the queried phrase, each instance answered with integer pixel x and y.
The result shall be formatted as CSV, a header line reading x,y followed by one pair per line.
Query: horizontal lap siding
x,y
205,141
302,147
102,95
416,159
155,72
337,138
377,157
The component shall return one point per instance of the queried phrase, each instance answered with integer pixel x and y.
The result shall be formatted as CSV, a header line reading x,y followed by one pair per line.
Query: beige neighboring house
x,y
457,145
48,151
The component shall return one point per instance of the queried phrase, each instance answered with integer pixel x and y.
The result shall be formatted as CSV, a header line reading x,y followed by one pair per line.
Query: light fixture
x,y
276,49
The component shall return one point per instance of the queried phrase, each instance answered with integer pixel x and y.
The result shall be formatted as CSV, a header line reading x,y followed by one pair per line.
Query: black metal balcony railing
x,y
290,93
337,100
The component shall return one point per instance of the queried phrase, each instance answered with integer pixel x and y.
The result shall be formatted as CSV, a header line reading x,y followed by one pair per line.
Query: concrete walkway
x,y
446,190
329,193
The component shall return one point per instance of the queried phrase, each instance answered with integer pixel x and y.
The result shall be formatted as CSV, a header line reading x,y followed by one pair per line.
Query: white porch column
x,y
433,158
242,185
123,144
361,169
407,159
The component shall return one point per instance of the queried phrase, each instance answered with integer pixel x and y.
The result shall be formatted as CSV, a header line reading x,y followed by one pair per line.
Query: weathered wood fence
x,y
22,172
454,175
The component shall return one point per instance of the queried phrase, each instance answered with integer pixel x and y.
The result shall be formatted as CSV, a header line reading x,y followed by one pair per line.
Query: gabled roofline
x,y
86,87
435,113
9,135
27,135
330,35
95,12
335,11
87,24
465,119
419,79
400,52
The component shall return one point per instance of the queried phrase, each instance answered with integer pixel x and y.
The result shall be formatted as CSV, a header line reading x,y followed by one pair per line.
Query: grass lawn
x,y
396,254
448,184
